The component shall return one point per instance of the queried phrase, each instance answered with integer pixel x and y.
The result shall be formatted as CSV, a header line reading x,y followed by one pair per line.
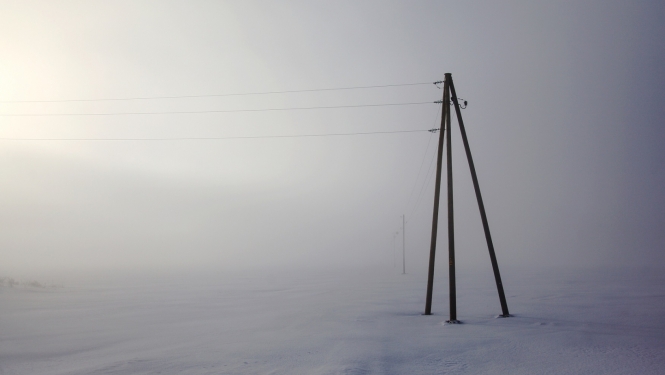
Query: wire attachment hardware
x,y
462,105
437,83
434,130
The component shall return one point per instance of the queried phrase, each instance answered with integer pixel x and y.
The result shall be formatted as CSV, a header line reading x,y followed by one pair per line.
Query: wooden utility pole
x,y
448,89
481,206
403,245
394,251
445,114
451,226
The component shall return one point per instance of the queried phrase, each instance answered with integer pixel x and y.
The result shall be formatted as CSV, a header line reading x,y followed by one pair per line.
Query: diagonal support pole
x,y
481,206
445,116
452,288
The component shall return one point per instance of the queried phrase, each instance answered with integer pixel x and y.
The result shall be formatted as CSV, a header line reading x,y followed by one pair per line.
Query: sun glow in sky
x,y
564,121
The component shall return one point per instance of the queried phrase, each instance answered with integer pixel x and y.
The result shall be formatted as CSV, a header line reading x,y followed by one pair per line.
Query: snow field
x,y
573,322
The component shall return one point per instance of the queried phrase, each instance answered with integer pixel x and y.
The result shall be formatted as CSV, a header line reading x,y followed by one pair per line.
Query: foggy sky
x,y
564,122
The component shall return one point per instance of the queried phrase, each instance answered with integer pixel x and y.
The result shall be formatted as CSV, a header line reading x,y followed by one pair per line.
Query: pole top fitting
x,y
448,74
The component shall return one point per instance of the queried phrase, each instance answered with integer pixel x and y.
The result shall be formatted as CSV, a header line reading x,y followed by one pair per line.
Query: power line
x,y
214,95
214,138
206,111
415,183
427,178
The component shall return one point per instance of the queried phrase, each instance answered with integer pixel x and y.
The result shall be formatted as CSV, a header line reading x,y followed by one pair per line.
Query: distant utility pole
x,y
448,90
403,246
394,250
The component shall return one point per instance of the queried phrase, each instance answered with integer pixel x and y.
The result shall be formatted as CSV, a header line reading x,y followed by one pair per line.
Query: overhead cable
x,y
206,111
428,176
215,138
415,183
214,95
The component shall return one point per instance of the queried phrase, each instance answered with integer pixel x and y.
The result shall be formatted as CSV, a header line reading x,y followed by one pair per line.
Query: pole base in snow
x,y
453,321
504,316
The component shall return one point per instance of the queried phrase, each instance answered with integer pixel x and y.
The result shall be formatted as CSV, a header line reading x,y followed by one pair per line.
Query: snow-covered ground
x,y
351,322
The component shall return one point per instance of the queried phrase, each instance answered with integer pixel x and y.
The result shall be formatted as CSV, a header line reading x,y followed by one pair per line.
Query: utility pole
x,y
445,114
451,226
481,206
403,245
448,89
394,250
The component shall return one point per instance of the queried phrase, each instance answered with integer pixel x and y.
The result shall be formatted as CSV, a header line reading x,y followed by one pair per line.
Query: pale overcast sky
x,y
565,121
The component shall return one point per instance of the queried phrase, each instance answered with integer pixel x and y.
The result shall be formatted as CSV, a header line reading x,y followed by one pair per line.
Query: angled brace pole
x,y
481,206
445,115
